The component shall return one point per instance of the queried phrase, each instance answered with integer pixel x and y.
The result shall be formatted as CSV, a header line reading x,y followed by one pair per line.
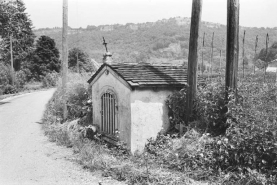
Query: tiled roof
x,y
149,75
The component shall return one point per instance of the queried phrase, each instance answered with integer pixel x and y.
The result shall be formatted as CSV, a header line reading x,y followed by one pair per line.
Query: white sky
x,y
48,13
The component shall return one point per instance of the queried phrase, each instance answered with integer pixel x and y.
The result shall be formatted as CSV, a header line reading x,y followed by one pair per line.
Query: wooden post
x,y
232,46
193,56
221,53
266,50
256,44
11,51
77,63
64,56
203,53
77,52
276,76
243,54
212,55
220,63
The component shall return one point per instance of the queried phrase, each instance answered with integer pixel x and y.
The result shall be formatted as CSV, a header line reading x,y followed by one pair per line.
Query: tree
x,y
270,55
45,58
15,24
84,64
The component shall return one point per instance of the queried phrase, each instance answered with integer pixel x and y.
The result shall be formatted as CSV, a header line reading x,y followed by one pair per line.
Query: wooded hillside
x,y
161,41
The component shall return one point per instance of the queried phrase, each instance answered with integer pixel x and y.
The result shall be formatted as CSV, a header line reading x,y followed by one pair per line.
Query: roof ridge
x,y
148,75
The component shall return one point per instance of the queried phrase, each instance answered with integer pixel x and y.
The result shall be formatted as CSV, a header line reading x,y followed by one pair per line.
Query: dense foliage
x,y
83,60
209,111
268,55
15,31
246,145
50,79
15,25
45,58
77,96
5,76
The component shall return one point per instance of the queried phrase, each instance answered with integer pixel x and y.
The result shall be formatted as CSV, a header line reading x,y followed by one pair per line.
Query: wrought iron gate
x,y
108,114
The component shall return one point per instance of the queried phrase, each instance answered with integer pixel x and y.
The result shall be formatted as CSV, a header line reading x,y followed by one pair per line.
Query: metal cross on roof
x,y
105,44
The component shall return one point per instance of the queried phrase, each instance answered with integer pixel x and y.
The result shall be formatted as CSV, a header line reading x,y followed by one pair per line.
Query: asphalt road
x,y
26,155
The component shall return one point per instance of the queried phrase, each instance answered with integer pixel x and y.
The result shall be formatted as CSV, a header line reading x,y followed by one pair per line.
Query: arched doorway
x,y
109,123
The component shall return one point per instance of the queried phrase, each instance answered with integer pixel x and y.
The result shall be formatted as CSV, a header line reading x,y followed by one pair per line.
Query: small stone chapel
x,y
129,100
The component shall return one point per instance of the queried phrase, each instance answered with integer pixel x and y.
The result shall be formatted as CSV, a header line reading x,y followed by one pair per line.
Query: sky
x,y
48,13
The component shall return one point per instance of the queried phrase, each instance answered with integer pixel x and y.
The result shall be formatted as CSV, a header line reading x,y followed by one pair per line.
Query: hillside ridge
x,y
162,41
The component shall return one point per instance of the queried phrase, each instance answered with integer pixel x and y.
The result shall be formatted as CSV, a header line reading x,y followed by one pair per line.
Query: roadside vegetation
x,y
222,145
36,61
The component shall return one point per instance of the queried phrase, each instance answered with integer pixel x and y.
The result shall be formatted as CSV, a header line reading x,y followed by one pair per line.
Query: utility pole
x,y
243,54
232,46
11,51
64,56
256,44
203,53
192,58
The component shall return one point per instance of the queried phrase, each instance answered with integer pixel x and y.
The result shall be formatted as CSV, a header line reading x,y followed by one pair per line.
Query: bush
x,y
5,75
208,109
250,140
177,109
246,131
76,95
20,79
9,89
77,99
50,79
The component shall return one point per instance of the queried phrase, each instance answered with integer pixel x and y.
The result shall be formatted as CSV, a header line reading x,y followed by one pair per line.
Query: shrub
x,y
246,141
177,109
9,89
50,79
208,109
5,75
250,140
77,99
76,95
20,79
